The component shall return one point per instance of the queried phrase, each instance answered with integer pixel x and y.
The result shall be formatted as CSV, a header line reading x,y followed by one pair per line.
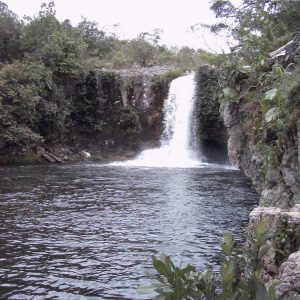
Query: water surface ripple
x,y
87,231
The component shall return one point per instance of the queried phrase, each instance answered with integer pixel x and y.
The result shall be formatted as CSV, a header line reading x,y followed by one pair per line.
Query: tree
x,y
23,87
64,53
10,32
38,29
98,42
58,45
186,56
258,26
141,51
135,51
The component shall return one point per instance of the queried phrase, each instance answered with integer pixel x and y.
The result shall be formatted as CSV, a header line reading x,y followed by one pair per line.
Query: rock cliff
x,y
211,132
126,107
264,142
111,114
260,110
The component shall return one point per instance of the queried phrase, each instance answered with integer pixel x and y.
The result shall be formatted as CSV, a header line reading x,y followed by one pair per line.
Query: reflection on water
x,y
87,231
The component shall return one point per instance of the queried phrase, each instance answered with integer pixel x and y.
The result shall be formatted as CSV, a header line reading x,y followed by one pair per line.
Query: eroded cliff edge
x,y
108,114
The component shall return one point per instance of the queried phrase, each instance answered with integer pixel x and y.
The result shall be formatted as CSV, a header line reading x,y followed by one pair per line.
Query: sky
x,y
173,17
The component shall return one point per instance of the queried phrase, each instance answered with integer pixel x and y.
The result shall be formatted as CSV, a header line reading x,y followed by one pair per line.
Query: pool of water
x,y
87,231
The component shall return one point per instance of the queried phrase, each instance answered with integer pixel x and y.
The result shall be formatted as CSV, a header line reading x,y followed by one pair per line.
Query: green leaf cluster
x,y
240,276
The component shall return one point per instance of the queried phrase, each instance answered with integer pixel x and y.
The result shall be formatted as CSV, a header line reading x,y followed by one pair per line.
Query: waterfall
x,y
177,148
178,112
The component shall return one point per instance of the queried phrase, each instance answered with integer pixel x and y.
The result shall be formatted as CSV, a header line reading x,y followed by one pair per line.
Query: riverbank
x,y
65,154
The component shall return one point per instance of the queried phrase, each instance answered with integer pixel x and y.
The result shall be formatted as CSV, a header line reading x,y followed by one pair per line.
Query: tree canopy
x,y
257,26
10,32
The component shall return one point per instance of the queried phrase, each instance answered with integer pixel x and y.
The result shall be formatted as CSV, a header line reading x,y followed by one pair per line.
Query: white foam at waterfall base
x,y
176,149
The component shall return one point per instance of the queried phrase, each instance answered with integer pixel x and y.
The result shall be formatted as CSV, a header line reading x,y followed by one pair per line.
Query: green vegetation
x,y
51,91
267,95
286,240
241,274
257,27
159,81
10,33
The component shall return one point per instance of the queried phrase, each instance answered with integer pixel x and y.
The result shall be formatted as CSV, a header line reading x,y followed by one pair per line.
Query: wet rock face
x,y
280,185
221,135
230,114
211,132
113,114
273,215
135,84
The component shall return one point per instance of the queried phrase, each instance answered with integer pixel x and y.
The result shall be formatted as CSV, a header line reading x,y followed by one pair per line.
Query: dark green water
x,y
87,231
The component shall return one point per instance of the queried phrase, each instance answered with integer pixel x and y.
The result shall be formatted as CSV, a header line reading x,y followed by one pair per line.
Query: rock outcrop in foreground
x,y
289,277
282,265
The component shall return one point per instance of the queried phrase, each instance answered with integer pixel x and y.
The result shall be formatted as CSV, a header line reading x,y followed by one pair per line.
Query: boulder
x,y
85,155
289,277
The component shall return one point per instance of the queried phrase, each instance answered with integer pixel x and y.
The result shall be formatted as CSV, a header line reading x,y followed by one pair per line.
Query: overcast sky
x,y
174,17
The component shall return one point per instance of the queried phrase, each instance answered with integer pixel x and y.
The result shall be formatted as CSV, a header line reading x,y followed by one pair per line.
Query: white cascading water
x,y
176,149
